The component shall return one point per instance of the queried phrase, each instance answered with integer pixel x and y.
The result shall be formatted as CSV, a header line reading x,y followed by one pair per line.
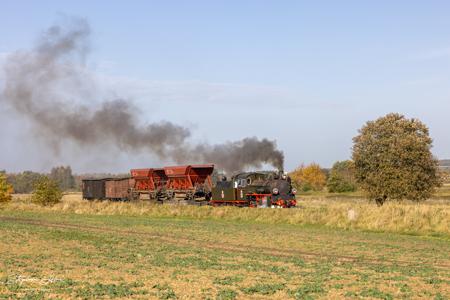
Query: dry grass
x,y
428,218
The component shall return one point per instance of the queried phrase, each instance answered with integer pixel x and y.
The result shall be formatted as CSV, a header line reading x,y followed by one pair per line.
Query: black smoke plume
x,y
46,84
237,156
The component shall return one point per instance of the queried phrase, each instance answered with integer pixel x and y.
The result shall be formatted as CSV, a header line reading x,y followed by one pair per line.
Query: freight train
x,y
193,184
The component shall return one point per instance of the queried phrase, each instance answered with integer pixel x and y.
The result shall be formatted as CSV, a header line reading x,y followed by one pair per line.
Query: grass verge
x,y
428,218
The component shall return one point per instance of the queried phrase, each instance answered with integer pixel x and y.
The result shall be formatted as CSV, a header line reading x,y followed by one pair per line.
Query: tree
x,y
309,177
63,177
5,189
342,177
46,192
393,159
24,182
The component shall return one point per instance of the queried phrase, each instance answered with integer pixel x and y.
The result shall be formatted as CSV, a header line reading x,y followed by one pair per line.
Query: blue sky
x,y
307,74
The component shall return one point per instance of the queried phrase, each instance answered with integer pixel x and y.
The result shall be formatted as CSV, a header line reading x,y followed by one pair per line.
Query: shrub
x,y
309,177
393,159
5,189
46,192
342,177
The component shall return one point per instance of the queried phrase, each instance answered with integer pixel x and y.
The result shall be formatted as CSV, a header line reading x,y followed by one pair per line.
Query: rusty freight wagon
x,y
176,183
93,188
107,188
118,188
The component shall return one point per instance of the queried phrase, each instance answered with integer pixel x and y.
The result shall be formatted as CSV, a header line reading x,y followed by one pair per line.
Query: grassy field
x,y
108,250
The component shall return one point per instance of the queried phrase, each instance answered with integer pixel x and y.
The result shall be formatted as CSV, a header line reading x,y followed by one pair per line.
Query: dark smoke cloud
x,y
237,156
44,83
48,83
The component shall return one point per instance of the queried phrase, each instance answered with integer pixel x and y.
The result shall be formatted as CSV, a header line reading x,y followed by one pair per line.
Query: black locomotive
x,y
255,189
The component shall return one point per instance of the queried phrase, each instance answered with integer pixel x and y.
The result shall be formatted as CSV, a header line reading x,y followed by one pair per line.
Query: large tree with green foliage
x,y
393,159
342,177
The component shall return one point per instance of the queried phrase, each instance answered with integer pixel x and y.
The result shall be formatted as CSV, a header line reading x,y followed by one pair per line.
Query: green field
x,y
51,254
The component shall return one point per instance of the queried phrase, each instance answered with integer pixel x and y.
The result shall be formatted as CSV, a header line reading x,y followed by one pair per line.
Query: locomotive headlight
x,y
294,191
275,191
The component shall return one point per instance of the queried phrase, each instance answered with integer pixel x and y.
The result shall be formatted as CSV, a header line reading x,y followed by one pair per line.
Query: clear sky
x,y
307,74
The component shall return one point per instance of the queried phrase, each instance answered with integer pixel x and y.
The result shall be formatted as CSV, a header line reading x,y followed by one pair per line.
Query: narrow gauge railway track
x,y
229,247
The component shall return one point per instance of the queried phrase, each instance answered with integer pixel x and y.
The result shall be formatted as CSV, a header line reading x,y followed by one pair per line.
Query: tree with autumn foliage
x,y
393,159
5,189
309,177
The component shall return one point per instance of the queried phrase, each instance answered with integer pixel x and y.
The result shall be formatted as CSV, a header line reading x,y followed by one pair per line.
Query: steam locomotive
x,y
193,184
255,189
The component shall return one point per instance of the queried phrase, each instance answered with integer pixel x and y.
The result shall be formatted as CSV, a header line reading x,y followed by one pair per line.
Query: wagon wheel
x,y
170,195
160,197
189,196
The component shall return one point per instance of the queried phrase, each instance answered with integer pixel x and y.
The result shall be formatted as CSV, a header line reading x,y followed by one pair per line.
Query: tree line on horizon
x,y
24,182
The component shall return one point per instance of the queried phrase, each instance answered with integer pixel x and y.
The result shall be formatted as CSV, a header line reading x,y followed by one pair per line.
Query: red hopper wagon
x,y
148,183
191,182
